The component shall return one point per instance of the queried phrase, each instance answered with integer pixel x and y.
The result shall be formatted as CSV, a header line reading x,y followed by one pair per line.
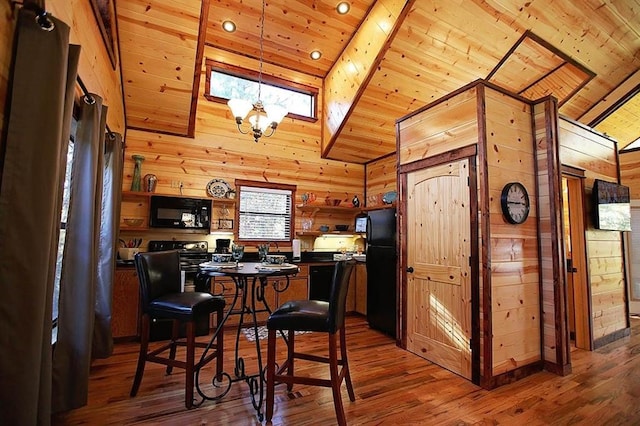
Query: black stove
x,y
192,253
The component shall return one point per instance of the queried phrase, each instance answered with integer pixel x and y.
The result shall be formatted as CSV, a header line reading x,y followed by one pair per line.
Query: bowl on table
x,y
276,259
324,228
221,257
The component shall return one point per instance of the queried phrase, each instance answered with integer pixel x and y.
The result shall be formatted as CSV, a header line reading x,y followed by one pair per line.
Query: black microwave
x,y
179,212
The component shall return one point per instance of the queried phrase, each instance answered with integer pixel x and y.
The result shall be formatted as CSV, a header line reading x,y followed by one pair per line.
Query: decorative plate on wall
x,y
218,188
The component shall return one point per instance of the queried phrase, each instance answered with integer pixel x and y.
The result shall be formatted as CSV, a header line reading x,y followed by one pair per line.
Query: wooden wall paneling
x,y
381,176
94,67
555,343
161,40
604,248
450,124
509,147
630,172
346,78
218,150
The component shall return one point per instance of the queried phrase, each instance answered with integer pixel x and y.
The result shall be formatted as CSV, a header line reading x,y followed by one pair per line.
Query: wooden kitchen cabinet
x,y
125,301
298,289
361,288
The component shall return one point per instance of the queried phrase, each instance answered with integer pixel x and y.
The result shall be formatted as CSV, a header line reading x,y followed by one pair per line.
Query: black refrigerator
x,y
382,261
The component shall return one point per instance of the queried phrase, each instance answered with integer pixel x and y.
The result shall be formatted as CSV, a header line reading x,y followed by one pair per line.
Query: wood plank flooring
x,y
392,387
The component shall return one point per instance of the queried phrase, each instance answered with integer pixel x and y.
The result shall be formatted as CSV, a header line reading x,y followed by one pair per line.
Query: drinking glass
x,y
237,252
263,251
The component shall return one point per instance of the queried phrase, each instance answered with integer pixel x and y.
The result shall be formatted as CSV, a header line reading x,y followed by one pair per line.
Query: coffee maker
x,y
222,245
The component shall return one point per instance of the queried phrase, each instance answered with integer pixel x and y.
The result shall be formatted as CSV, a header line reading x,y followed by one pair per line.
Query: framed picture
x,y
225,223
104,12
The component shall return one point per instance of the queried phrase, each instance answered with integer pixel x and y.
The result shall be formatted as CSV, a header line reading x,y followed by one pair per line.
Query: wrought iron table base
x,y
222,380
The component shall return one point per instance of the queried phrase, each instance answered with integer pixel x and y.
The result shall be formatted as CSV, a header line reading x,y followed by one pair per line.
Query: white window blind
x,y
264,214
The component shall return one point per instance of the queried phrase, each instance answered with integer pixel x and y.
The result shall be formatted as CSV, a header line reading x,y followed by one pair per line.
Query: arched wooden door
x,y
438,244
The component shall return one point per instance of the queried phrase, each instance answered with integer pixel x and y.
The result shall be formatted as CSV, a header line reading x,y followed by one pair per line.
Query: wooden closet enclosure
x,y
479,295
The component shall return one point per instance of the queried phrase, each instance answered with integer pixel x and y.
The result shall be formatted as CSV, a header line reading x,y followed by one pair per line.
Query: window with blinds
x,y
265,212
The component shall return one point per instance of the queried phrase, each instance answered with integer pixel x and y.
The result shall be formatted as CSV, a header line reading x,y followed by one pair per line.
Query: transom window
x,y
265,211
226,82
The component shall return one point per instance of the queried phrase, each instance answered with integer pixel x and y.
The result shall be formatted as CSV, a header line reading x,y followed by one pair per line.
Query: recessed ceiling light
x,y
315,55
343,7
229,26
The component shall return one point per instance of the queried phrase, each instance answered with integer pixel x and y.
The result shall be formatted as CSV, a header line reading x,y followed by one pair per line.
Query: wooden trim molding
x,y
486,326
513,375
197,68
605,340
445,157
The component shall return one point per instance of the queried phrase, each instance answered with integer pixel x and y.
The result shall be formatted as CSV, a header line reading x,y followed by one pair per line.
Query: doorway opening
x,y
578,312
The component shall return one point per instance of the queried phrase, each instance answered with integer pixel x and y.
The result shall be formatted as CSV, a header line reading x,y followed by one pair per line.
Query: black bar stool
x,y
161,298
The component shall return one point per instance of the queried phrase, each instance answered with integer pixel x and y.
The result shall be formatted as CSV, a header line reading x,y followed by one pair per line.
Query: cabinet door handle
x,y
410,269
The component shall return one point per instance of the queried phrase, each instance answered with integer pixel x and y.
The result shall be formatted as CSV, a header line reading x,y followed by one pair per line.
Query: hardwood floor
x,y
392,386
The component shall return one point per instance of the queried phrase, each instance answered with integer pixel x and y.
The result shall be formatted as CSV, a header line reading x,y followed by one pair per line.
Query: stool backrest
x,y
338,296
158,274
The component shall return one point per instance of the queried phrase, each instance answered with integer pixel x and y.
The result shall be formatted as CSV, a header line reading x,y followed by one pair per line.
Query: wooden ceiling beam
x,y
350,74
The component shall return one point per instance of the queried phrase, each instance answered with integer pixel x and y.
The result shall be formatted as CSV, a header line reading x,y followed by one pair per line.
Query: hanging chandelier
x,y
263,119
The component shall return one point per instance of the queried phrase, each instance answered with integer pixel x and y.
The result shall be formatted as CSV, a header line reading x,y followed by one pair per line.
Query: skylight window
x,y
225,82
633,145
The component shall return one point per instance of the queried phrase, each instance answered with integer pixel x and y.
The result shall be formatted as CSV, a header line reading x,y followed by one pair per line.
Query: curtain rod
x,y
87,94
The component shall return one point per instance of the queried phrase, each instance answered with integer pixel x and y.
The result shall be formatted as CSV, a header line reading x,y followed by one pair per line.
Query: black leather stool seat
x,y
184,306
302,315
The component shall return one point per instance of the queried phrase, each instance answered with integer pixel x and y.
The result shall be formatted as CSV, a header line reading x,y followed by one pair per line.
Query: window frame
x,y
269,80
239,183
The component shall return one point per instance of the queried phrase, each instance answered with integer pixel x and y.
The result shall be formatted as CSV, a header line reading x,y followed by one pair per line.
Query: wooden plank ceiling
x,y
578,51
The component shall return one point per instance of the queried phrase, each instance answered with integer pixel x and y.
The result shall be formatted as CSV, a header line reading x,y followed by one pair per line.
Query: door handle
x,y
410,269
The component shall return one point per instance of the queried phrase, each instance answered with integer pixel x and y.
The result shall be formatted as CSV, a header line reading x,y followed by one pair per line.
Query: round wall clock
x,y
515,202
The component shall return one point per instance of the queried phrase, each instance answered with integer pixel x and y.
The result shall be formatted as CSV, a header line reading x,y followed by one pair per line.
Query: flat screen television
x,y
612,206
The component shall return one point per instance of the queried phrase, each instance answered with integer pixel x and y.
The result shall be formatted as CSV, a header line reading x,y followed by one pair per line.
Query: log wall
x,y
585,149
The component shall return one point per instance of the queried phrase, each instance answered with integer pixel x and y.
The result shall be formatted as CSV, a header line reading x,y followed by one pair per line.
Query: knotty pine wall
x,y
585,149
382,176
94,67
513,258
218,150
630,173
501,127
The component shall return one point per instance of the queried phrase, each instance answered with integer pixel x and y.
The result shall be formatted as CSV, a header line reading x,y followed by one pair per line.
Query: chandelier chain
x,y
261,50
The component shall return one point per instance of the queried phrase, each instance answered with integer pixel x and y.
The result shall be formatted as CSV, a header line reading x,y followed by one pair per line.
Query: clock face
x,y
515,202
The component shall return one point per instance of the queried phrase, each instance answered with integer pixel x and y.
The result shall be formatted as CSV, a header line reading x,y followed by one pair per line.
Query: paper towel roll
x,y
296,249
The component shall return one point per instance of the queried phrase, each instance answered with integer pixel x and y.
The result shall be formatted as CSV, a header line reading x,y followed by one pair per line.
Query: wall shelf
x,y
319,208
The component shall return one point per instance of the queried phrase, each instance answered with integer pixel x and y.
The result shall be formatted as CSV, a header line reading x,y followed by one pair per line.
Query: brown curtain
x,y
87,265
110,211
35,138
